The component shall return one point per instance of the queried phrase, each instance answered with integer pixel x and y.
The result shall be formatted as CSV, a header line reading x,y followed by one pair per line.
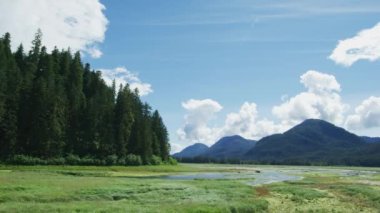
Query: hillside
x,y
192,151
311,141
231,147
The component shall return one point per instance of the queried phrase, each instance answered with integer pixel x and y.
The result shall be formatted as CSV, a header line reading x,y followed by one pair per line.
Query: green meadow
x,y
182,188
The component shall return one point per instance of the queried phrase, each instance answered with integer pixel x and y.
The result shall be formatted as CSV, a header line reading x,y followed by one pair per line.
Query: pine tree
x,y
75,99
9,124
123,120
52,106
161,143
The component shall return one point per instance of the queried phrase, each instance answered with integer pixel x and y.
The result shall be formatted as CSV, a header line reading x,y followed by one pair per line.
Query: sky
x,y
216,68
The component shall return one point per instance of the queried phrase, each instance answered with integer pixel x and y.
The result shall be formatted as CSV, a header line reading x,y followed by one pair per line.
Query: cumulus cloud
x,y
245,122
367,115
364,46
196,127
321,100
78,24
248,124
123,76
317,82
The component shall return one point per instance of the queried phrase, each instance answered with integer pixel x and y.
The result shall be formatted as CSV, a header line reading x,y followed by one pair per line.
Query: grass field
x,y
143,189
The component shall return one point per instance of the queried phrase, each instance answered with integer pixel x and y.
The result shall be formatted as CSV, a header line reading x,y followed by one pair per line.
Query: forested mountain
x,y
227,149
192,151
312,142
230,147
54,107
370,139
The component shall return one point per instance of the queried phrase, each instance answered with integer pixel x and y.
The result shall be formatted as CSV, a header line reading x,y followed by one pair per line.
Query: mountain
x,y
311,141
370,139
231,147
192,151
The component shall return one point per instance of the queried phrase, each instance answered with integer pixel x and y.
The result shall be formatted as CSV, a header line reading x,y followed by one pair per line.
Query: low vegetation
x,y
145,189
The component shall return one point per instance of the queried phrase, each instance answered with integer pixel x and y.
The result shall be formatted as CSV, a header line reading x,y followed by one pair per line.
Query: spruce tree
x,y
52,106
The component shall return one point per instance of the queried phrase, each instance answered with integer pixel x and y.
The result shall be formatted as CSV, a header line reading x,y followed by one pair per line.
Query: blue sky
x,y
222,54
235,51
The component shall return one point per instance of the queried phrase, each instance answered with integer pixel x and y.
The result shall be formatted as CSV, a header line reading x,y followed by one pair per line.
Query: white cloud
x,y
364,46
321,101
199,114
367,115
245,123
176,147
318,82
123,76
80,24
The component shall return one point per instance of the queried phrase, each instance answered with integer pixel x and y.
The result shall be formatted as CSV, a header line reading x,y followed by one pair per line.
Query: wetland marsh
x,y
189,188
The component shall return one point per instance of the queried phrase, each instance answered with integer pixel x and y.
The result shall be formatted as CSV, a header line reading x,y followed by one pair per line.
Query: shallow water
x,y
252,177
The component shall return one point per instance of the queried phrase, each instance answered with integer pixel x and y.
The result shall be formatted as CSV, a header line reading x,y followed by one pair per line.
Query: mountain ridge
x,y
313,141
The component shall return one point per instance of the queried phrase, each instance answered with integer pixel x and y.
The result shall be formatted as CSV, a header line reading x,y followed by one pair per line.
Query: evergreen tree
x,y
52,106
75,98
161,142
123,120
9,123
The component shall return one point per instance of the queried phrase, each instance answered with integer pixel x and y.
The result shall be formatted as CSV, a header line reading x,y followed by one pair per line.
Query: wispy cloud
x,y
248,12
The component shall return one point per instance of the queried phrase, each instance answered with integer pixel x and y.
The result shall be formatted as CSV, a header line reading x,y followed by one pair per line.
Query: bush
x,y
26,160
133,160
111,160
172,161
73,159
56,161
155,160
87,161
121,161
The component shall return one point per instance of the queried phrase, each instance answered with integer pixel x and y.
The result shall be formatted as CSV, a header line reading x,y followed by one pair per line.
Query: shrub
x,y
26,160
172,161
56,161
133,160
155,160
73,159
87,161
121,161
111,160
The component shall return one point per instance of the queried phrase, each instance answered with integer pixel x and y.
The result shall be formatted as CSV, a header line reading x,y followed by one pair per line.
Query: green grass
x,y
140,189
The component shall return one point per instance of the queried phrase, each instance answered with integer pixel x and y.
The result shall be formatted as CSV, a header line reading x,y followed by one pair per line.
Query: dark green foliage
x,y
133,160
55,110
155,160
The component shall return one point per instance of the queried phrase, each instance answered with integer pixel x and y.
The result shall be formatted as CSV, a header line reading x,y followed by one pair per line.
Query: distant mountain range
x,y
192,151
231,147
313,141
370,139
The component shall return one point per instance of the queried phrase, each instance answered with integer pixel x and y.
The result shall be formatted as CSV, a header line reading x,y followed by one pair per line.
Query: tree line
x,y
54,109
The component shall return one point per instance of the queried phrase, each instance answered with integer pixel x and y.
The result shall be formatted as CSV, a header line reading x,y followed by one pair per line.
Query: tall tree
x,y
123,120
75,98
9,124
160,133
52,106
